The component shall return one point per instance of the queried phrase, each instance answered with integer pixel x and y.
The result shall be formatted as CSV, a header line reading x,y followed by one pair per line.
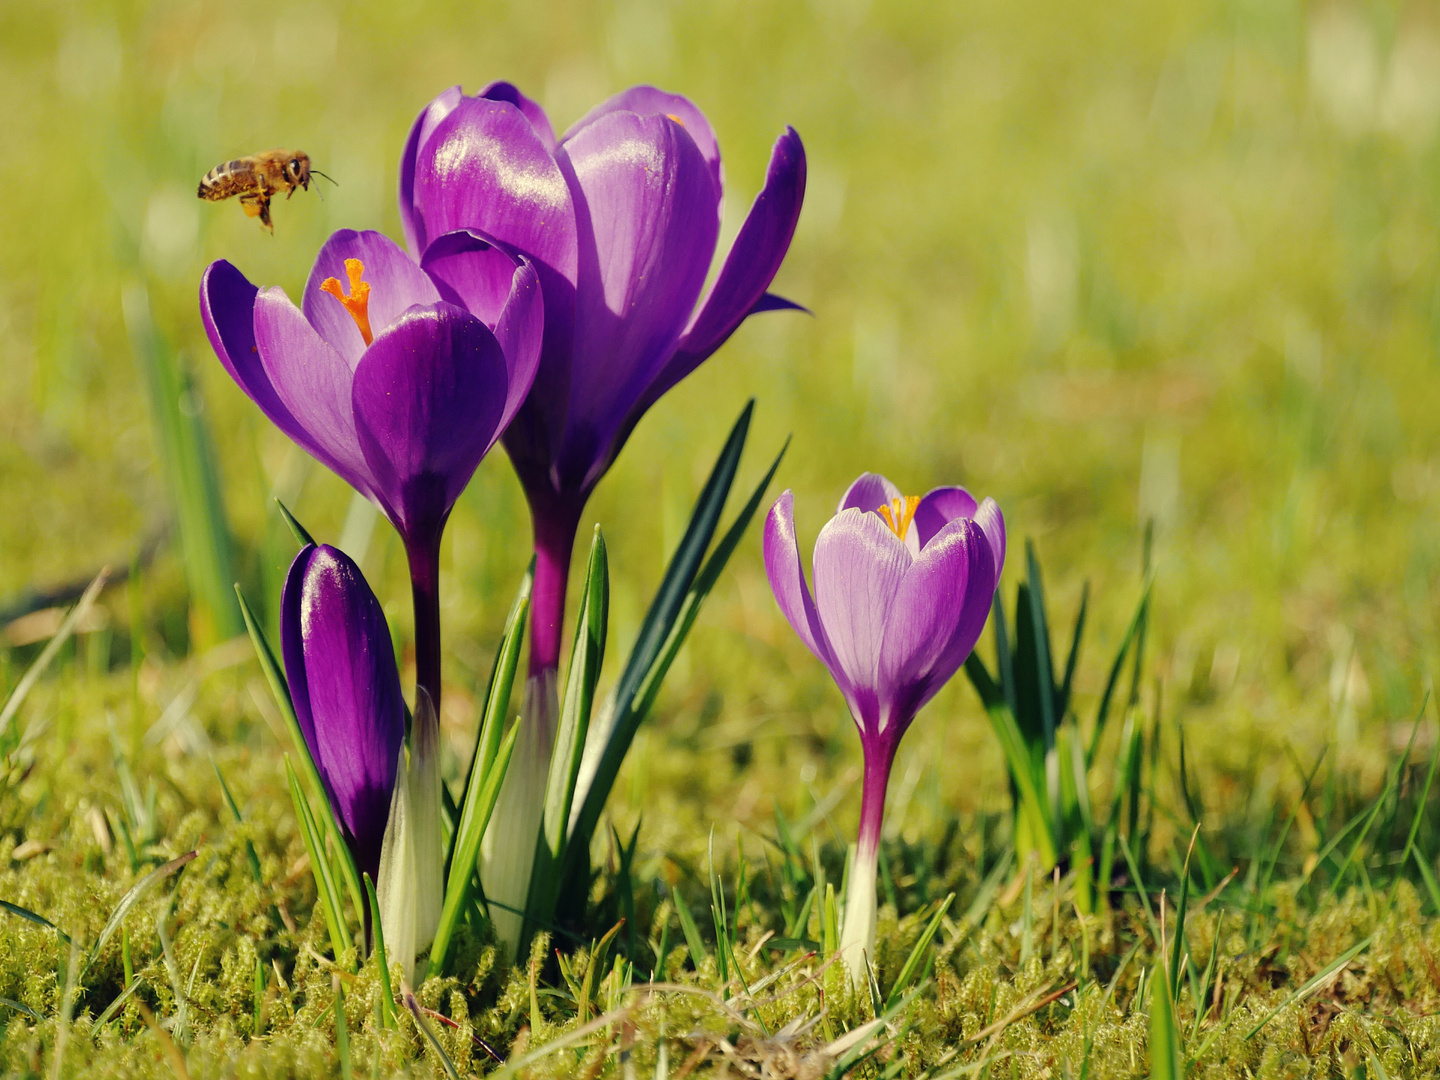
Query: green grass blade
x,y
1102,712
1419,811
721,917
1177,951
1040,628
1428,875
301,534
1062,701
984,683
319,866
188,457
693,941
1027,783
1312,984
34,671
37,919
127,904
657,643
280,689
342,1033
1167,1060
382,958
583,674
915,962
460,885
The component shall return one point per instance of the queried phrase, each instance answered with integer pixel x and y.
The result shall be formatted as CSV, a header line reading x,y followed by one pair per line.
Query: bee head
x,y
297,170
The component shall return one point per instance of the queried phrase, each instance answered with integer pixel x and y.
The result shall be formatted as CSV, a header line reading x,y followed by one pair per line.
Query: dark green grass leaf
x,y
382,958
1311,984
918,955
301,534
319,865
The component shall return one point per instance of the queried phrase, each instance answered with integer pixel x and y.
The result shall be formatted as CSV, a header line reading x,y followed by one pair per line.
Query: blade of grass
x,y
693,941
612,738
918,955
1312,984
319,866
1167,1060
1102,712
280,689
382,958
127,903
301,534
67,628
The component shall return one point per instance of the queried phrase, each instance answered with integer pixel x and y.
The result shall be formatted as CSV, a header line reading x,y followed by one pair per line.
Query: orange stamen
x,y
899,514
358,302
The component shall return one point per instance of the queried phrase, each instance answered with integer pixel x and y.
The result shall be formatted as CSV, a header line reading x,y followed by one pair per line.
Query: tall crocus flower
x,y
621,217
340,665
902,589
397,374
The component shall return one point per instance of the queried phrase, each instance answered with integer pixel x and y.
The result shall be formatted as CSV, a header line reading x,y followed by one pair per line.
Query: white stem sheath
x,y
857,934
507,854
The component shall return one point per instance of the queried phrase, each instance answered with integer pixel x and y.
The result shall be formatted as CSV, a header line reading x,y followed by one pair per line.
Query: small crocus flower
x,y
902,590
621,217
340,664
397,375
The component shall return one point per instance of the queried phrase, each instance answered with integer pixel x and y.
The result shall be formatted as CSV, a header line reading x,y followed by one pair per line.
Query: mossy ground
x,y
1172,261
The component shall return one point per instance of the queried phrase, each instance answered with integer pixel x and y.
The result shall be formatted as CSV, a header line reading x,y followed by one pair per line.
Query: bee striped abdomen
x,y
223,181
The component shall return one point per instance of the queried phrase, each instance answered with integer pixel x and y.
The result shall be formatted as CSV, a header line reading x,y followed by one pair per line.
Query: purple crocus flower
x,y
621,217
399,381
902,590
340,664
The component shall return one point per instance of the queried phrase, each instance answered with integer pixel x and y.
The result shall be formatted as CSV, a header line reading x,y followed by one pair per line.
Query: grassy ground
x,y
1171,261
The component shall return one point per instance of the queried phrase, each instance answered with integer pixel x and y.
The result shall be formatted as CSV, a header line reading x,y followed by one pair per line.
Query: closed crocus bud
x,y
340,664
902,590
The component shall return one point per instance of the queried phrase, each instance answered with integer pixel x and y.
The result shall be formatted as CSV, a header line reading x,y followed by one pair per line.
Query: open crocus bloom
x,y
340,664
902,589
398,375
621,218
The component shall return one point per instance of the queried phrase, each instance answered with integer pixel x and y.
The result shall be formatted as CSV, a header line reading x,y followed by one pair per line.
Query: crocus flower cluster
x,y
552,294
620,217
902,590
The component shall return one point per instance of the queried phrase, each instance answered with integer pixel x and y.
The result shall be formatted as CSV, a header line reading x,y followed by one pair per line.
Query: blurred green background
x,y
1107,263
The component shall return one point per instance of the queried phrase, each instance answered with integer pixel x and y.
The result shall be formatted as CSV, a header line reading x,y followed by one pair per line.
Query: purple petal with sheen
x,y
787,577
485,167
313,381
749,268
504,91
989,518
650,225
343,680
428,398
227,308
870,491
928,613
859,565
412,219
650,101
471,272
521,334
396,283
940,507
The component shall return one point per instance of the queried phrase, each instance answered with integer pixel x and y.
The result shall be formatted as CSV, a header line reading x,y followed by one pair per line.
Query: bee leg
x,y
265,213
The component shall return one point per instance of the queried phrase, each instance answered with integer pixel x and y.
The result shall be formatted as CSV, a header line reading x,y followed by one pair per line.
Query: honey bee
x,y
259,177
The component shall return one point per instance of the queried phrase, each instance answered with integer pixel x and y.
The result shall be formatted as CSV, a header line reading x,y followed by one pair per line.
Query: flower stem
x,y
555,526
857,937
424,558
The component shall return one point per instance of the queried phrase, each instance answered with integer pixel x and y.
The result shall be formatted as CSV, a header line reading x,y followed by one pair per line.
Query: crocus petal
x,y
227,308
504,91
396,283
471,272
428,398
929,608
341,668
940,507
412,219
870,491
859,565
313,381
521,333
749,268
485,167
787,577
649,222
988,517
649,101
771,302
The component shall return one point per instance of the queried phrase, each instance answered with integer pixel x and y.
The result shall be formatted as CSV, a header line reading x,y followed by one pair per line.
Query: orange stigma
x,y
358,302
899,514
